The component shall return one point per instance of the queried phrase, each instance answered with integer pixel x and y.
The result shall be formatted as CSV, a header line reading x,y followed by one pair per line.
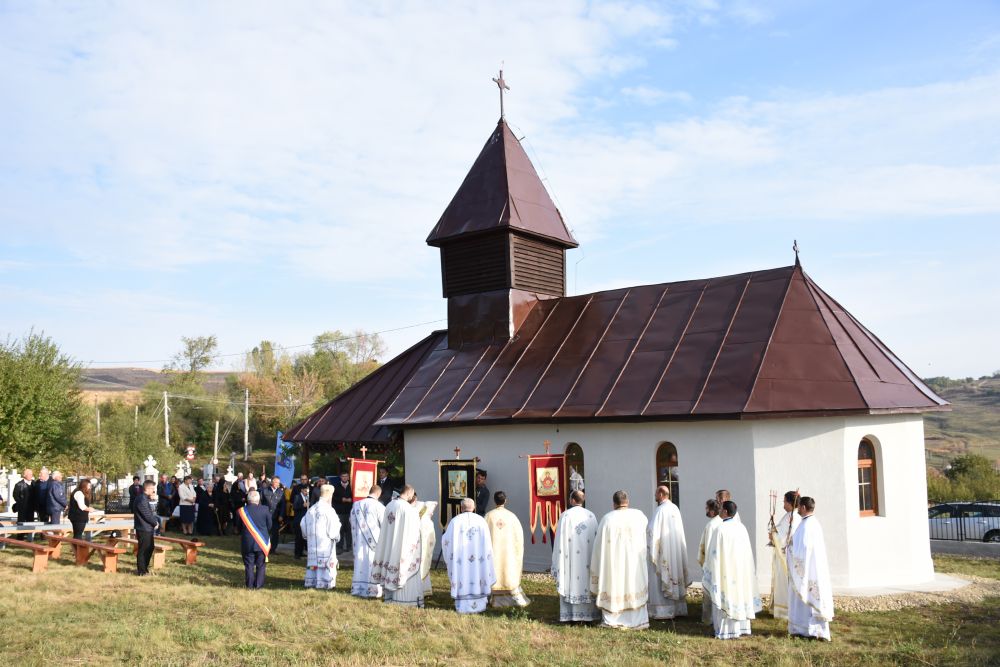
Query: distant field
x,y
973,425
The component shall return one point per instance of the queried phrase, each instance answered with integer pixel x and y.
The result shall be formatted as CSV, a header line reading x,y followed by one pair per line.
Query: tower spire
x,y
502,85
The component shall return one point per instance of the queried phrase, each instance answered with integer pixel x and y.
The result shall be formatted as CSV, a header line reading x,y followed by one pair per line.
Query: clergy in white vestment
x,y
668,566
810,595
730,579
366,527
396,564
779,536
507,537
427,541
714,521
721,496
321,528
572,547
468,554
619,578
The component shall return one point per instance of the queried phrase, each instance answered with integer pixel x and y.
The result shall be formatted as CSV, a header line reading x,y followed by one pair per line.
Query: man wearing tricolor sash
x,y
321,528
468,554
398,554
810,594
668,566
571,550
730,579
508,554
255,541
367,516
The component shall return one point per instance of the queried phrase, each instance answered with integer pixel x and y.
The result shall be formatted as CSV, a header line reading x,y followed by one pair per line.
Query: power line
x,y
92,362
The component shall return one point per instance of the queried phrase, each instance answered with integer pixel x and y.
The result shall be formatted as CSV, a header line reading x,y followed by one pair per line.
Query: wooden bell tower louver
x,y
502,244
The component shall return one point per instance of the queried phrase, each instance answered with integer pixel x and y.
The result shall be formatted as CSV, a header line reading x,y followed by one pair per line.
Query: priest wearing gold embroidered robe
x,y
427,541
468,554
730,578
507,537
810,593
619,578
572,547
668,566
780,537
398,554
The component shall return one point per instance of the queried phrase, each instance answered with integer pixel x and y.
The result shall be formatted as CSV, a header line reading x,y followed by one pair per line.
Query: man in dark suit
x,y
255,557
24,503
386,484
482,493
40,495
56,503
342,501
134,492
274,498
300,505
145,524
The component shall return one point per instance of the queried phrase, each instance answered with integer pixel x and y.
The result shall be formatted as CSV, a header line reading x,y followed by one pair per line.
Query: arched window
x,y
574,467
867,479
666,470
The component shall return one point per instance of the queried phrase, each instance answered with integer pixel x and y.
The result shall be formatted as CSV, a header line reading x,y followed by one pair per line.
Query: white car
x,y
965,521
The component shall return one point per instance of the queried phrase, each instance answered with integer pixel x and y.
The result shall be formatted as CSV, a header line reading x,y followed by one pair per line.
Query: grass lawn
x,y
201,615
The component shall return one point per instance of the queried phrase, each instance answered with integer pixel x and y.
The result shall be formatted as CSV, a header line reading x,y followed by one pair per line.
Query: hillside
x,y
126,383
973,425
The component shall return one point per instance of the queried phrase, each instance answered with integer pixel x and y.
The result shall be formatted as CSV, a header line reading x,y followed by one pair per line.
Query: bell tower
x,y
503,244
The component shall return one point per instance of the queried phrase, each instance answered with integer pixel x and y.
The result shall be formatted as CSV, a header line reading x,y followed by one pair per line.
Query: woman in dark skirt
x,y
223,505
206,522
80,509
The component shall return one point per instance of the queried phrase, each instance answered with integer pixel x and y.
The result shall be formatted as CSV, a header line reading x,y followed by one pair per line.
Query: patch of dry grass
x,y
200,615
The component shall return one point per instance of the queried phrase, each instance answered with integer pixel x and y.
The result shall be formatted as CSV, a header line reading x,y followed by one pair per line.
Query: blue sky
x,y
255,172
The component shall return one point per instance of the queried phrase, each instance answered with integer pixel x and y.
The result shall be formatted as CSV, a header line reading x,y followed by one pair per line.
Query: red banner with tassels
x,y
547,481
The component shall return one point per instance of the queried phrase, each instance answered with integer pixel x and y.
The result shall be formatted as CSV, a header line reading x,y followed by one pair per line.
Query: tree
x,y
39,399
340,360
198,354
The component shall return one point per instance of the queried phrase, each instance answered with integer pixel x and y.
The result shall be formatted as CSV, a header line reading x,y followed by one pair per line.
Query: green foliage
x,y
198,354
969,477
340,360
39,400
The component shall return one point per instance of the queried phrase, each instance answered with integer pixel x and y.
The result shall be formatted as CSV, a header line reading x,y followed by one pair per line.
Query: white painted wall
x,y
816,455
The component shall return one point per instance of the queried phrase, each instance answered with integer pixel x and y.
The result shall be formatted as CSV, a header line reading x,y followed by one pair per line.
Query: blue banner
x,y
284,462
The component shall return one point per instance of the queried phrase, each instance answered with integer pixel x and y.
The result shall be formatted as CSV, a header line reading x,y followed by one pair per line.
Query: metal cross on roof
x,y
502,85
795,247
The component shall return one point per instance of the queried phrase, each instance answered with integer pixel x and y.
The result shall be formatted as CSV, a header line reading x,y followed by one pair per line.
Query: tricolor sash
x,y
262,539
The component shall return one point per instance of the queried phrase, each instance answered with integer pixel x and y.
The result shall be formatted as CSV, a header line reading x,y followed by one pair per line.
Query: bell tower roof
x,y
502,192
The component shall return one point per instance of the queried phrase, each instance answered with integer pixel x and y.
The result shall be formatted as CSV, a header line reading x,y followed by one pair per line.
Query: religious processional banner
x,y
547,481
362,477
284,462
456,480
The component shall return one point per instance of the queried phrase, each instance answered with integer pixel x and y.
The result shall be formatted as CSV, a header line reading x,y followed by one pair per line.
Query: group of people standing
x,y
44,500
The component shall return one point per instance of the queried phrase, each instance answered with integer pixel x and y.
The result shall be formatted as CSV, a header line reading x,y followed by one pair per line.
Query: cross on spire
x,y
795,247
502,85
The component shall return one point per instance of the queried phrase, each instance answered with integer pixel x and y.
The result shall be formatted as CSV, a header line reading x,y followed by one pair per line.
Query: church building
x,y
752,382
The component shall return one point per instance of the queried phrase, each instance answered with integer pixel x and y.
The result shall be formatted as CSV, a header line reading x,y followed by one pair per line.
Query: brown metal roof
x,y
350,416
502,191
754,344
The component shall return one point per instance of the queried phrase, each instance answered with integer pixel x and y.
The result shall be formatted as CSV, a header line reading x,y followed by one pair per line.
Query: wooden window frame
x,y
674,485
872,465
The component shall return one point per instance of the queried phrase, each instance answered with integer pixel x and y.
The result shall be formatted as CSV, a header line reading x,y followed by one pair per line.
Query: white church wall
x,y
893,547
711,455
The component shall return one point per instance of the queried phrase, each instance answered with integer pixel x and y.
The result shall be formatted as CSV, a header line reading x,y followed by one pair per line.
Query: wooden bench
x,y
84,550
159,550
41,552
190,547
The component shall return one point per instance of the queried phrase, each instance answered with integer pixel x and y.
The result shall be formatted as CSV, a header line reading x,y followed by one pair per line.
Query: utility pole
x,y
246,425
97,408
215,451
135,424
166,421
